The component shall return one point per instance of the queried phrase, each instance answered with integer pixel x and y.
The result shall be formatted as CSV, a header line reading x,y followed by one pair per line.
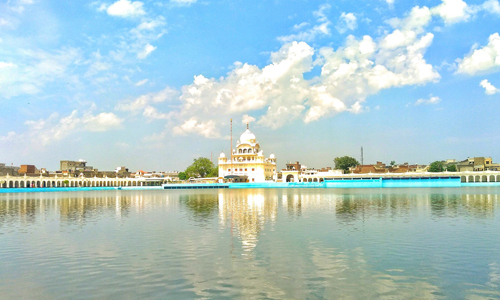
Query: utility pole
x,y
231,149
362,156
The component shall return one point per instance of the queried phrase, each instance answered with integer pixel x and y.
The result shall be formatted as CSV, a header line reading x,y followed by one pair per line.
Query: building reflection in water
x,y
79,208
247,211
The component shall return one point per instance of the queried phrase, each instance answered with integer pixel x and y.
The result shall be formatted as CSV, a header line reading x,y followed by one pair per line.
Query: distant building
x,y
8,170
28,170
475,164
380,167
73,166
295,172
247,162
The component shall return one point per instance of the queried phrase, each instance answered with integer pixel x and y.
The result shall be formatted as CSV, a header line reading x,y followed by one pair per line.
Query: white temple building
x,y
248,163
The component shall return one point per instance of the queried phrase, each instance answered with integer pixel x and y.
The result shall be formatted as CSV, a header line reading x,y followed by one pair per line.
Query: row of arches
x,y
245,150
72,183
480,178
292,178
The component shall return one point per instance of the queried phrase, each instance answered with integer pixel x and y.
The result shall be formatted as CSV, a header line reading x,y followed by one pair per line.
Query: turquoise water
x,y
439,243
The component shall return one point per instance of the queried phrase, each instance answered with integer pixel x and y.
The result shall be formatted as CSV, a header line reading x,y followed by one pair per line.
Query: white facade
x,y
248,160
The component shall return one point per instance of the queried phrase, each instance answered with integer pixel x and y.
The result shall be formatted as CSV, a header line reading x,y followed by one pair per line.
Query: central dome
x,y
247,137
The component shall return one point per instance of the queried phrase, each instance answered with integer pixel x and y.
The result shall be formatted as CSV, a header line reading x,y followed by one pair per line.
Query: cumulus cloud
x,y
247,119
54,128
489,88
321,28
146,51
101,122
125,9
349,74
491,6
482,59
453,11
346,22
145,100
207,129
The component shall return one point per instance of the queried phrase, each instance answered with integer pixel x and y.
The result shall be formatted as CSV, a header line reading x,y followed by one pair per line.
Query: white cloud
x,y
322,28
11,135
349,74
346,22
146,51
432,100
152,113
101,122
145,100
453,11
141,82
151,25
31,70
390,3
183,2
491,6
489,88
207,129
46,131
7,65
126,8
247,119
482,59
297,27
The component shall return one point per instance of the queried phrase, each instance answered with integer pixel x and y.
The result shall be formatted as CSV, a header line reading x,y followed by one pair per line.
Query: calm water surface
x,y
251,244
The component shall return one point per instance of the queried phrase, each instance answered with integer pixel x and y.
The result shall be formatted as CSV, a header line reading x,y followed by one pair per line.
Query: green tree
x,y
215,172
344,163
201,167
451,168
436,166
182,176
393,162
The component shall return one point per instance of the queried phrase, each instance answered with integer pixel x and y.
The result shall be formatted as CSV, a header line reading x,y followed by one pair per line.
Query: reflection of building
x,y
247,162
247,211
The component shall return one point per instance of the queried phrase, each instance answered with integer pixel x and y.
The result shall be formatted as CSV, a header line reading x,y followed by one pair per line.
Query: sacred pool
x,y
419,243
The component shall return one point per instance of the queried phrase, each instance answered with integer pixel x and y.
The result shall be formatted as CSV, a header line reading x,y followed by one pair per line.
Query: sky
x,y
153,85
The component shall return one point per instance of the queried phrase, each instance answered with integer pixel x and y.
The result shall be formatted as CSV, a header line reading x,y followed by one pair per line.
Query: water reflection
x,y
247,244
246,211
77,208
200,207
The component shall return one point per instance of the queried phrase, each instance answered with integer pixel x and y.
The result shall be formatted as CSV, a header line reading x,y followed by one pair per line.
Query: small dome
x,y
247,137
272,155
222,155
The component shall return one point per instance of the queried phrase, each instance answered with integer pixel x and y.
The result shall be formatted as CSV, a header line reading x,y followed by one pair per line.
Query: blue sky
x,y
153,84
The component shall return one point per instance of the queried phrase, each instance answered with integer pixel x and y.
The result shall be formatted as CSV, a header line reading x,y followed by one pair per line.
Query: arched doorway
x,y
289,178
